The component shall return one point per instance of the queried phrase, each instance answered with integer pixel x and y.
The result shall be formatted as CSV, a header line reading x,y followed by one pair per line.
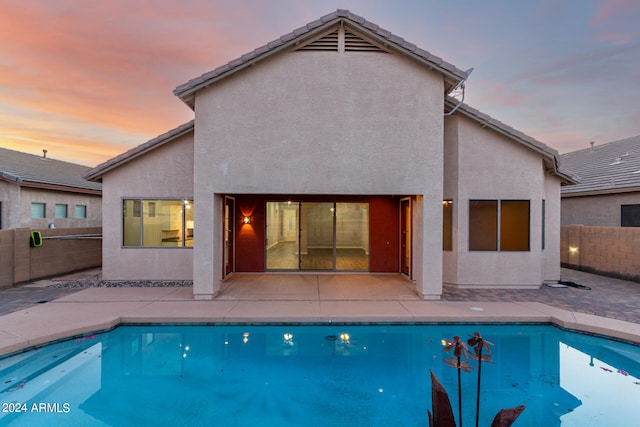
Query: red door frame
x,y
405,236
228,235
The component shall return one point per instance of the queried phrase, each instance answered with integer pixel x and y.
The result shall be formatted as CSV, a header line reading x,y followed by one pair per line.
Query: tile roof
x,y
96,173
551,156
452,74
35,171
613,167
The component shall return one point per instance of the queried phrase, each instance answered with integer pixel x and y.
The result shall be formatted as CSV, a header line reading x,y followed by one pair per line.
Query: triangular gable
x,y
550,156
360,35
96,173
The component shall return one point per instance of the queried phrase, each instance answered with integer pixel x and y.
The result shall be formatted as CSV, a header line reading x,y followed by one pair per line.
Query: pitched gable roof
x,y
608,168
551,157
29,170
450,72
96,173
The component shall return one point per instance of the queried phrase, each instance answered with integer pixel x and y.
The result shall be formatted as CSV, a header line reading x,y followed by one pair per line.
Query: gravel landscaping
x,y
121,284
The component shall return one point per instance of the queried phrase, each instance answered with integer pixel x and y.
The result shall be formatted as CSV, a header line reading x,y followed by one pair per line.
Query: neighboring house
x,y
328,149
609,190
40,192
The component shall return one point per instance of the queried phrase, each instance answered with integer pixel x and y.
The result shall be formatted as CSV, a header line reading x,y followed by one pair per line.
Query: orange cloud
x,y
107,68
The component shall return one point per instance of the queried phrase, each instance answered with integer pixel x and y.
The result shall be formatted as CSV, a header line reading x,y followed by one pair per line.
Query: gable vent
x,y
327,42
341,40
354,43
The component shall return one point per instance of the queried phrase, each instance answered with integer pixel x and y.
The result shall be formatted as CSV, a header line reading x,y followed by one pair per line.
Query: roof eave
x,y
600,192
550,156
60,187
96,173
7,176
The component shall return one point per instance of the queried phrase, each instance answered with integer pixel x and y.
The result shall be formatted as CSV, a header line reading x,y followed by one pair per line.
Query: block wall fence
x,y
610,251
20,263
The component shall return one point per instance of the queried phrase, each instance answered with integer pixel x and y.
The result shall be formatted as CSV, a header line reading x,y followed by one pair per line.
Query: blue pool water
x,y
315,376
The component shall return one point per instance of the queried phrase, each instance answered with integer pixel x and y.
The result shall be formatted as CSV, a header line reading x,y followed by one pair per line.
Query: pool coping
x,y
94,310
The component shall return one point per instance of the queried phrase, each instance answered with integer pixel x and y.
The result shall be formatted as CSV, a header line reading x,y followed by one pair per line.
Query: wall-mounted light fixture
x,y
246,220
573,250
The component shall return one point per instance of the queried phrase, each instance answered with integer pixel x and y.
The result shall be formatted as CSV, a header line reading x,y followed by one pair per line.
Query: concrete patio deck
x,y
35,314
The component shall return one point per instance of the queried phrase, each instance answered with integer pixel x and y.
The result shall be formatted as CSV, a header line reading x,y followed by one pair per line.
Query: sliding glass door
x,y
317,236
282,244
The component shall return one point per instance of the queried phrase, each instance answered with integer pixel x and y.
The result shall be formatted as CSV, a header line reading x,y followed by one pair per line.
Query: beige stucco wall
x,y
16,207
321,123
163,173
450,192
551,252
10,209
51,198
492,166
602,210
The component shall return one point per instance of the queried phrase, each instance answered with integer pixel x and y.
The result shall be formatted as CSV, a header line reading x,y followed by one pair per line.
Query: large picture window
x,y
499,225
157,223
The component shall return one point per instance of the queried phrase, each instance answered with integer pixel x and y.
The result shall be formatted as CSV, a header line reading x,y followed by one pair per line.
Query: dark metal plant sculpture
x,y
478,344
442,413
460,350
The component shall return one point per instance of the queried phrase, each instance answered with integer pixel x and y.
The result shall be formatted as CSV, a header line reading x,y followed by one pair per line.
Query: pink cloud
x,y
618,37
610,18
610,8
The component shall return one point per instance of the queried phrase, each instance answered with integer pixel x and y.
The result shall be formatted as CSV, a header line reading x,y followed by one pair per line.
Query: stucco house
x,y
609,190
330,150
40,192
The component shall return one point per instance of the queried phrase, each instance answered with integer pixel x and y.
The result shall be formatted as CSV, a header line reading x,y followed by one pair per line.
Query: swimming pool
x,y
340,375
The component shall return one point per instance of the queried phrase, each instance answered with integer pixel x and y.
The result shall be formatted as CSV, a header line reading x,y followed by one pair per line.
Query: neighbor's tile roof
x,y
95,174
29,169
450,71
608,168
551,156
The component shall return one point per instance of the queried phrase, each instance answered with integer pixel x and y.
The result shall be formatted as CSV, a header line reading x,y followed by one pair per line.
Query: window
x,y
81,211
38,210
630,216
60,211
447,225
317,236
499,225
157,223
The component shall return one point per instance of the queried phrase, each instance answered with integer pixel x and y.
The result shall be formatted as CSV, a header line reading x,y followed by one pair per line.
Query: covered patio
x,y
318,287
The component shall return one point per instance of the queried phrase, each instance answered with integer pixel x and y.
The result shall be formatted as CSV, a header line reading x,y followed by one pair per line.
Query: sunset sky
x,y
88,80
